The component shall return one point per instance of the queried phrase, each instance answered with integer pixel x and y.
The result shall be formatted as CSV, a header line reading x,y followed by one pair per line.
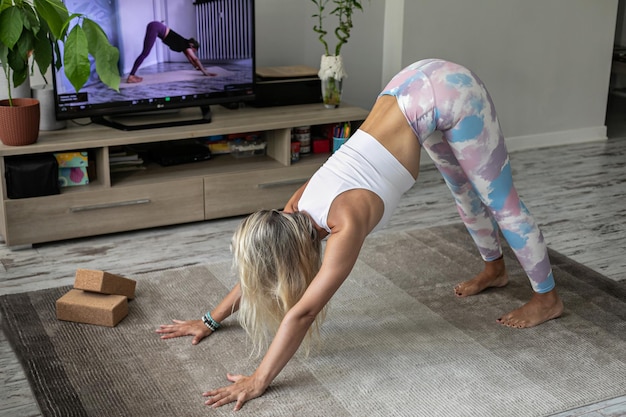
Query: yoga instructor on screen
x,y
174,41
284,285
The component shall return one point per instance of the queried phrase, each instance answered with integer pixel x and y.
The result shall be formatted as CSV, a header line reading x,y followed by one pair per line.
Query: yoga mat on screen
x,y
396,342
177,76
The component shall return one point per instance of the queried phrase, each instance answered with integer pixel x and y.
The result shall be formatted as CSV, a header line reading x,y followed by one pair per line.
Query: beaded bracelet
x,y
210,323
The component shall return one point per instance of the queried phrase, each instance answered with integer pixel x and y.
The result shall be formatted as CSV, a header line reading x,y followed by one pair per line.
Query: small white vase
x,y
331,74
45,94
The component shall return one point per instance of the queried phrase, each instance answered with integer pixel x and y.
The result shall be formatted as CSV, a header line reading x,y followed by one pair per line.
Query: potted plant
x,y
35,29
331,70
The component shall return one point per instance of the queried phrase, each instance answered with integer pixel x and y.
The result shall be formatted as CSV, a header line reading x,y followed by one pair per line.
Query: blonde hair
x,y
276,256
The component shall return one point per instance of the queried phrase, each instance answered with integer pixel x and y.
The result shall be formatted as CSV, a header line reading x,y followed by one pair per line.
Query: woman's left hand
x,y
243,389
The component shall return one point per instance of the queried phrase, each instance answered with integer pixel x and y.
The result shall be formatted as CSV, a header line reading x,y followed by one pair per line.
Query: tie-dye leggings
x,y
472,157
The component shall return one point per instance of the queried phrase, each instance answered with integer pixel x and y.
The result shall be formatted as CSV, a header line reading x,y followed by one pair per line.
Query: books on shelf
x,y
126,168
123,156
122,160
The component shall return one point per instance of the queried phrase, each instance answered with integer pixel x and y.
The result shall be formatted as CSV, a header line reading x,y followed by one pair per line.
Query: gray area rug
x,y
396,342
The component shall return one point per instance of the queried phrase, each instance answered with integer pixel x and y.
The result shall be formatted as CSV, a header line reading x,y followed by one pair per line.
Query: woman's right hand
x,y
195,328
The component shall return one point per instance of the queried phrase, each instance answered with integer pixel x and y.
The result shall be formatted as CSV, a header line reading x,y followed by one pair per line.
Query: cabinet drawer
x,y
77,214
246,192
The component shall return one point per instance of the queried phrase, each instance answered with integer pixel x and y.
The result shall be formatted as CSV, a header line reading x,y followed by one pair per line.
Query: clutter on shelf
x,y
72,168
122,159
239,145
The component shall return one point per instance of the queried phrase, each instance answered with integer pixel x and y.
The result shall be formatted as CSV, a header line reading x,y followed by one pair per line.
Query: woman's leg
x,y
153,30
470,127
477,142
472,210
475,215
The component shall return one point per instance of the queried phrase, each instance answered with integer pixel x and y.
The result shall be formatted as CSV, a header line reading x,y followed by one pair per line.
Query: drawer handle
x,y
109,205
295,181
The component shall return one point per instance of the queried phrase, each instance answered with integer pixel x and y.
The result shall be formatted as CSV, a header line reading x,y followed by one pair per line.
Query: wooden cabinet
x,y
156,196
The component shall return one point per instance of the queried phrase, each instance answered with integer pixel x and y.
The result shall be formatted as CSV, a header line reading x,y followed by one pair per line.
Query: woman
x,y
174,41
354,193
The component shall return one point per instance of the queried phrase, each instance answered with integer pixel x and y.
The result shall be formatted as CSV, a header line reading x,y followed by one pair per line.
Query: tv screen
x,y
173,54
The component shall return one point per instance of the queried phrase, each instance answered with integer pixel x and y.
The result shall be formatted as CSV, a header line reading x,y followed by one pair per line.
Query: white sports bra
x,y
360,163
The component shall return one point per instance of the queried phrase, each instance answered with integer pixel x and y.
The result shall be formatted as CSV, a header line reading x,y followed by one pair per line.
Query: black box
x,y
31,175
286,92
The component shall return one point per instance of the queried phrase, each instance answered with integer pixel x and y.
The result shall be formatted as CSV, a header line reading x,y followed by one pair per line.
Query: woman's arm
x,y
197,328
228,305
292,204
195,61
351,226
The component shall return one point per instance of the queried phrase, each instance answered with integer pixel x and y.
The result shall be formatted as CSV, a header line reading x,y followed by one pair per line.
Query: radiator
x,y
225,29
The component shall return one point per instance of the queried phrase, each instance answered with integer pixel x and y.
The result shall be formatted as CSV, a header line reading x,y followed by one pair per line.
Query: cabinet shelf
x,y
219,164
219,187
94,185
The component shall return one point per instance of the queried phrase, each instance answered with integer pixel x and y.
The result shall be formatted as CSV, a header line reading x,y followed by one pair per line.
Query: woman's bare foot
x,y
540,308
134,79
494,275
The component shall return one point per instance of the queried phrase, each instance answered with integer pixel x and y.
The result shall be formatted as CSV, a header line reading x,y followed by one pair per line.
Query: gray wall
x,y
284,36
546,62
620,32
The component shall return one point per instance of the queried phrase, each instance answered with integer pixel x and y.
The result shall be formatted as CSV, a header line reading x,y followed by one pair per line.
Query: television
x,y
148,34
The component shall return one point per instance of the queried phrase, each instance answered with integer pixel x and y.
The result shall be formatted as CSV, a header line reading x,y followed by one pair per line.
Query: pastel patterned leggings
x,y
473,160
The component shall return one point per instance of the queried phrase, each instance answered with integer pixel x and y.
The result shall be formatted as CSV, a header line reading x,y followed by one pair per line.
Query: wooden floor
x,y
575,192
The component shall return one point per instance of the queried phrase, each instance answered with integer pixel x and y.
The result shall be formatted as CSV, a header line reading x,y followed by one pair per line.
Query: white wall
x,y
546,63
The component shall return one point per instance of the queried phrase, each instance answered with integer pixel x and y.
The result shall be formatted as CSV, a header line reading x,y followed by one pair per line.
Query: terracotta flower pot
x,y
19,124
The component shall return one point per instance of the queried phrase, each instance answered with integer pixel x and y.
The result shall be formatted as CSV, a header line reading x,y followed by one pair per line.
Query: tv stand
x,y
157,196
148,122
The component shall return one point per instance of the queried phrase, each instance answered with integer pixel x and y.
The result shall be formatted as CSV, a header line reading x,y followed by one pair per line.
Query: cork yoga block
x,y
92,308
104,283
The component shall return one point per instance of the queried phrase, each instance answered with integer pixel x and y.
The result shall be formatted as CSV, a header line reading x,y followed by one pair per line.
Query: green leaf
x,y
5,4
42,53
31,22
58,58
76,58
24,45
19,77
19,67
95,35
106,55
55,14
106,66
16,61
12,23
